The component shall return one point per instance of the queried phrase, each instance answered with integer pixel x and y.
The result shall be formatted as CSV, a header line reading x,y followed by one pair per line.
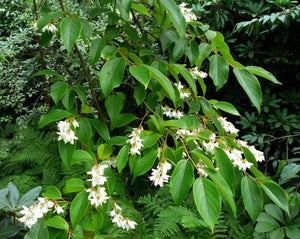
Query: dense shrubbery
x,y
134,112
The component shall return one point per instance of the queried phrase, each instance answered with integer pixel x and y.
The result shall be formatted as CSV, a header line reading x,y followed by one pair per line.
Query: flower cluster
x,y
37,211
135,141
184,93
181,133
97,196
227,126
212,143
171,113
159,176
259,155
237,159
65,132
200,165
195,72
120,220
187,13
49,27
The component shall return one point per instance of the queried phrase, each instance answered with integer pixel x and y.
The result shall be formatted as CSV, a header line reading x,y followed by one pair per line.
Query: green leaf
x,y
124,7
140,8
68,99
74,185
117,140
179,49
227,107
181,180
104,151
38,231
275,212
204,51
225,165
192,52
101,128
80,91
220,45
78,208
208,200
122,119
58,90
218,70
122,157
46,18
175,16
3,198
86,32
53,115
13,196
84,131
49,73
113,105
223,187
66,152
263,73
8,229
111,74
144,164
150,140
265,223
57,222
249,156
278,233
108,52
250,85
52,192
139,94
97,46
141,73
70,31
292,232
209,34
167,38
163,81
276,194
28,198
80,156
252,197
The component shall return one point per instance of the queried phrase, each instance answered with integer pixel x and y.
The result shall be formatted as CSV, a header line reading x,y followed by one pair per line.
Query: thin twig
x,y
278,138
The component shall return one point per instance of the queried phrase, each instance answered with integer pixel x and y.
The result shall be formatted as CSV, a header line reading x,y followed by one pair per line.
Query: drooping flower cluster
x,y
237,159
184,93
159,176
187,13
212,143
181,133
171,113
195,72
259,155
65,132
49,28
227,126
120,220
135,141
97,194
200,165
37,211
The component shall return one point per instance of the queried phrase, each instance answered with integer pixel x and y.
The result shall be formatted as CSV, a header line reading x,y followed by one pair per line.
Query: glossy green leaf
x,y
252,197
218,70
141,73
113,105
104,151
275,212
111,74
57,222
47,18
78,208
227,107
192,52
70,31
204,51
139,94
68,99
86,32
179,49
208,200
97,46
38,231
276,194
175,16
122,157
263,73
84,131
13,195
52,192
66,152
58,90
265,223
250,85
49,73
220,45
181,180
80,156
150,140
124,7
144,164
140,8
53,115
74,185
28,198
101,128
122,119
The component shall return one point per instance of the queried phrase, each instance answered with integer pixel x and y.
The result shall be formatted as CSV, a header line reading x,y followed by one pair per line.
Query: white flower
x,y
210,146
237,159
200,165
111,162
45,204
58,209
65,132
97,172
228,126
259,156
120,220
135,141
97,197
35,27
50,28
187,13
195,72
159,176
171,113
184,93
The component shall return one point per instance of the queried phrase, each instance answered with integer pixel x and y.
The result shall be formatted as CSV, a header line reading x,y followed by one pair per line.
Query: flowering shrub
x,y
171,132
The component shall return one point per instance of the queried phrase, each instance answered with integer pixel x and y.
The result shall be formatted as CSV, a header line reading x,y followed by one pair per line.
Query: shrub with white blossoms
x,y
187,13
171,113
120,220
135,141
159,175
